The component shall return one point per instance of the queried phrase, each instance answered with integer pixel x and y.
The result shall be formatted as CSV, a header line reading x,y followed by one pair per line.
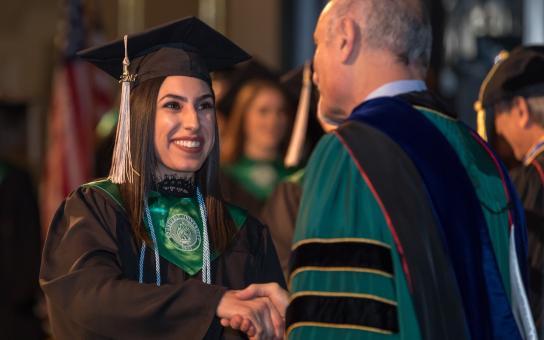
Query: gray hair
x,y
536,109
400,26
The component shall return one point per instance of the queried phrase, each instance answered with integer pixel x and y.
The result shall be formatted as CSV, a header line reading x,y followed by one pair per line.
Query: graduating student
x,y
408,226
514,92
153,252
513,95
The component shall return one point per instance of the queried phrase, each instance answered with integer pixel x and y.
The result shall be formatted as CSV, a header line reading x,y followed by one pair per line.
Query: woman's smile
x,y
190,144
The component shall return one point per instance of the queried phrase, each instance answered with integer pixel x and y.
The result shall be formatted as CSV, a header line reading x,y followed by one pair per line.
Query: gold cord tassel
x,y
294,152
121,165
480,120
479,105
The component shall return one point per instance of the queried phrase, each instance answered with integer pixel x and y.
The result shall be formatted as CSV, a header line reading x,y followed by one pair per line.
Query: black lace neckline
x,y
176,186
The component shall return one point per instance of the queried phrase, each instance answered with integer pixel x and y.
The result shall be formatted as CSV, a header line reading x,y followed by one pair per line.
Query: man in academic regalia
x,y
514,92
408,226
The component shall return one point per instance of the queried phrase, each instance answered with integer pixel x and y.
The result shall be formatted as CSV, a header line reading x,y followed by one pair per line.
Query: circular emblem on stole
x,y
183,231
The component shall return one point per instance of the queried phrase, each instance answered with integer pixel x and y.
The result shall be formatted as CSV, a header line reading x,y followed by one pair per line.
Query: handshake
x,y
258,310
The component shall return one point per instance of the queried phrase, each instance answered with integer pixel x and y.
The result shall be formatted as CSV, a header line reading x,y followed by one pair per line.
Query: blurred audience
x,y
280,211
254,144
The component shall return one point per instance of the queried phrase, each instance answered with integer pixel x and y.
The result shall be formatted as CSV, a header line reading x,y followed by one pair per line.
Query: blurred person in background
x,y
255,143
513,96
280,210
20,248
227,83
153,251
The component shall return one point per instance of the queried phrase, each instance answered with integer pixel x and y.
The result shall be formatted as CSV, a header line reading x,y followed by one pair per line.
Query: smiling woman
x,y
184,125
159,247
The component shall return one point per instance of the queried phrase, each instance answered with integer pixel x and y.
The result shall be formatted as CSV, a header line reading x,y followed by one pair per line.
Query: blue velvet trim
x,y
518,217
466,237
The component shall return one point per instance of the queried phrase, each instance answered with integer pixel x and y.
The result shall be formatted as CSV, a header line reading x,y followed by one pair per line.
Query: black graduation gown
x,y
235,193
280,214
530,186
89,275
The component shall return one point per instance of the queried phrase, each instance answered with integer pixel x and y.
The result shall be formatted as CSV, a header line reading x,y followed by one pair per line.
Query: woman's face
x,y
266,119
184,124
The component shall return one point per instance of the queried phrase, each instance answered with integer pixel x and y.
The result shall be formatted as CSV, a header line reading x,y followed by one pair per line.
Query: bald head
x,y
399,26
362,45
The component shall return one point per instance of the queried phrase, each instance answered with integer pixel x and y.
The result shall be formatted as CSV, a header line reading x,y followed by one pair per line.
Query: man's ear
x,y
348,39
522,112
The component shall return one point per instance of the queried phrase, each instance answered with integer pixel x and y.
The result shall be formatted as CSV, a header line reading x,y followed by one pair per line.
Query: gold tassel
x,y
294,152
479,105
480,120
121,165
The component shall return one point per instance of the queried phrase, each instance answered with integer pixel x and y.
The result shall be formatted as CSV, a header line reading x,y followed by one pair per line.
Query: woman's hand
x,y
257,316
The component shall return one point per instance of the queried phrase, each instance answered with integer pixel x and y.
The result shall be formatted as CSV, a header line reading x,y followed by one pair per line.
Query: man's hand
x,y
272,290
257,317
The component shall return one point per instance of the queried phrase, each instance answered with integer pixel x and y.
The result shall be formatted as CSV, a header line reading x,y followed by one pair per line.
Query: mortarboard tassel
x,y
480,120
121,165
294,152
479,104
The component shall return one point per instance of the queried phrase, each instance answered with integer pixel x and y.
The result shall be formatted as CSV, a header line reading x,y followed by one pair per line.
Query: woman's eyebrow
x,y
185,99
174,96
204,96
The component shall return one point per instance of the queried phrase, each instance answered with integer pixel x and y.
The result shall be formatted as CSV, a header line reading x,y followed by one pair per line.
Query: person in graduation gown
x,y
513,94
153,252
280,210
254,144
408,226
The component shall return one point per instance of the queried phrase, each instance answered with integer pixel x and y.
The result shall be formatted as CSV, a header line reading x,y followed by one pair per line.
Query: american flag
x,y
80,95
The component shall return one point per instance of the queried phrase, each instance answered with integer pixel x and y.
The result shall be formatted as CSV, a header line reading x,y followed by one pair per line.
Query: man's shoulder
x,y
333,148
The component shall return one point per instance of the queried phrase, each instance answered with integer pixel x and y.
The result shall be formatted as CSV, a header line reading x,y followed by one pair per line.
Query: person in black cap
x,y
513,92
153,251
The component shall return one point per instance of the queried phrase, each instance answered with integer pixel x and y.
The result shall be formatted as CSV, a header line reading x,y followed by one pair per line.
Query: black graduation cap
x,y
515,73
186,47
520,69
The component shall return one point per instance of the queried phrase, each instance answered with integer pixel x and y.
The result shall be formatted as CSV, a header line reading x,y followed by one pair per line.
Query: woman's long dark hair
x,y
143,103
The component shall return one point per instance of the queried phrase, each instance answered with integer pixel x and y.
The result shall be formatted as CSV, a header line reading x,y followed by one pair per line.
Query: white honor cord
x,y
206,271
156,249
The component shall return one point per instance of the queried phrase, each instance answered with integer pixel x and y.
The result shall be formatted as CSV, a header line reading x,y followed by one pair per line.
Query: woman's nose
x,y
190,118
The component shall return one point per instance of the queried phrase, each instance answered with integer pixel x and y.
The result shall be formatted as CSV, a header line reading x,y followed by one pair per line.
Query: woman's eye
x,y
205,106
172,106
263,111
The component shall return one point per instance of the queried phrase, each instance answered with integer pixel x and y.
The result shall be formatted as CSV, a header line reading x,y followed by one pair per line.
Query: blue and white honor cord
x,y
206,268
